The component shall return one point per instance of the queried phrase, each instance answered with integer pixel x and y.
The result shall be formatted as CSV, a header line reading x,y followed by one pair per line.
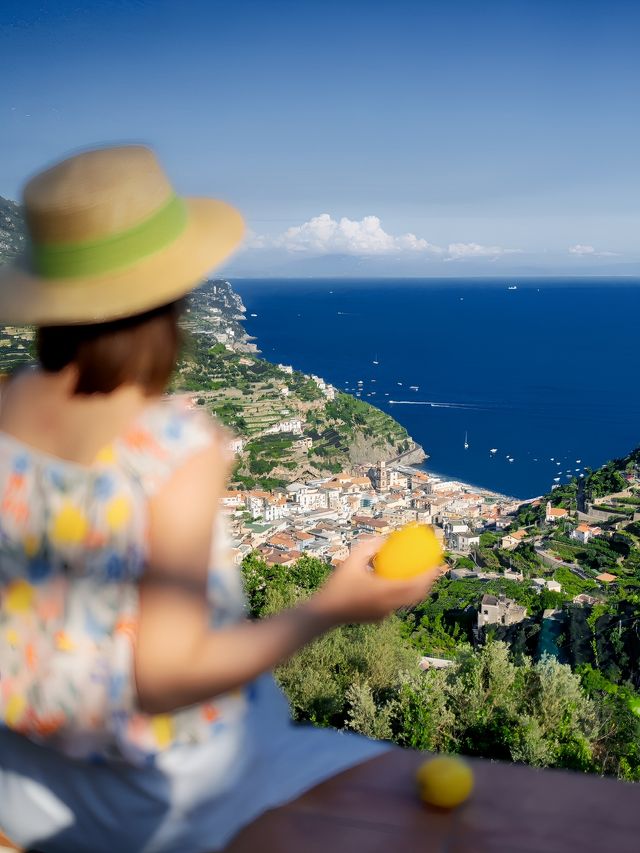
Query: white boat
x,y
466,441
399,383
375,360
253,315
578,461
512,287
493,450
556,479
413,388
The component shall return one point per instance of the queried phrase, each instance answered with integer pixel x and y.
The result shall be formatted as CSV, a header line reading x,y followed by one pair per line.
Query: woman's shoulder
x,y
167,433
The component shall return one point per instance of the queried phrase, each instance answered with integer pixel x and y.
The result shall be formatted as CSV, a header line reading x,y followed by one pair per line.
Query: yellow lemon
x,y
407,552
162,728
15,708
118,513
444,781
18,597
69,526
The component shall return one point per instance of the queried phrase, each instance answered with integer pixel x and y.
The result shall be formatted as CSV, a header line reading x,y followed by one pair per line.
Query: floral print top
x,y
73,545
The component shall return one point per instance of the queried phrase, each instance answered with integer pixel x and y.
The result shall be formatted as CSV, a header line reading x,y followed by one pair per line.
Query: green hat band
x,y
118,250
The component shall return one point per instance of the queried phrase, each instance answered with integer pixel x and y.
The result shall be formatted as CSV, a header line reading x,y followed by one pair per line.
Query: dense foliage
x,y
491,702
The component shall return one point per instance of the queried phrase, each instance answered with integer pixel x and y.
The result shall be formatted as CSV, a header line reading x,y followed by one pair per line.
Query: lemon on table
x,y
407,552
444,781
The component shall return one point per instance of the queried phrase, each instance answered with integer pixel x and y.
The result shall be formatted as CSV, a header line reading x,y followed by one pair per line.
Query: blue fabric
x,y
193,800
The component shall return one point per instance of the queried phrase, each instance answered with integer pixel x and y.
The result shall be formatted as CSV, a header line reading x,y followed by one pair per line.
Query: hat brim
x,y
213,230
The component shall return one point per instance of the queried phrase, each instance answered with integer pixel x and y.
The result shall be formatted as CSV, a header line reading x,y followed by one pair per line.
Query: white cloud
x,y
581,249
323,235
476,250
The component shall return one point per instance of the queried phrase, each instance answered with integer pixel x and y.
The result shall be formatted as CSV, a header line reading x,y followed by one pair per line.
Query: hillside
x,y
11,229
292,424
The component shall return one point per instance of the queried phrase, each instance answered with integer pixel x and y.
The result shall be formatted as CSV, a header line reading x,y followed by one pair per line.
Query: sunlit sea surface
x,y
541,380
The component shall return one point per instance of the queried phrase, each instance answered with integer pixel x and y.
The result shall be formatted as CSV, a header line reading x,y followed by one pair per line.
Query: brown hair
x,y
142,350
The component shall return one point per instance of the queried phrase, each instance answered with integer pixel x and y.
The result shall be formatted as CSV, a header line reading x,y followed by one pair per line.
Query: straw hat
x,y
110,238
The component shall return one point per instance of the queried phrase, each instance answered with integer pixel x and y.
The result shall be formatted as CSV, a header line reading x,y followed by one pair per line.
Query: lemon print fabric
x,y
162,728
408,552
118,513
14,709
18,597
106,456
74,543
70,525
31,544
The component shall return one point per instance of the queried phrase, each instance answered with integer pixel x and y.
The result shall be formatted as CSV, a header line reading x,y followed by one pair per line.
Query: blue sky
x,y
413,136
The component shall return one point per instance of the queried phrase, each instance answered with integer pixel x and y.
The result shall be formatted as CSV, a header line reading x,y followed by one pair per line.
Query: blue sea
x,y
546,375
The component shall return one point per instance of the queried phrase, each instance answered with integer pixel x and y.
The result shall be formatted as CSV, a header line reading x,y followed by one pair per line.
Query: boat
x,y
512,287
493,450
253,315
413,388
578,461
466,441
556,479
375,360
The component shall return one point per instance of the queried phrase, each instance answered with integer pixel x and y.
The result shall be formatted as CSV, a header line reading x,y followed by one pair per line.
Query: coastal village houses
x,y
326,516
498,610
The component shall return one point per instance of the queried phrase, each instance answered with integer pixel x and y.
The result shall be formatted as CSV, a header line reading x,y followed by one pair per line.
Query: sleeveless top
x,y
73,546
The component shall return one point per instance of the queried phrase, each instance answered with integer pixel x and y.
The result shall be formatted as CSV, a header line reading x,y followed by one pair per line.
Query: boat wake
x,y
434,404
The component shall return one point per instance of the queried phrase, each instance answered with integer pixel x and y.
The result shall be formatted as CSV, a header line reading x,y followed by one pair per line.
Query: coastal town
x,y
325,517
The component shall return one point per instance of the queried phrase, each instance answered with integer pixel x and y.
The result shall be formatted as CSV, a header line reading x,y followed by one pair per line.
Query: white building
x,y
454,525
584,532
464,541
541,583
500,611
293,425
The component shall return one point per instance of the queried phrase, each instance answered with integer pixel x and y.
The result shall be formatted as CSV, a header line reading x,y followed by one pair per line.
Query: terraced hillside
x,y
223,371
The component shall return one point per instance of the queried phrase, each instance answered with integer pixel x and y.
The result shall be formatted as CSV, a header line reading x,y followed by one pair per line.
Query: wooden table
x,y
374,809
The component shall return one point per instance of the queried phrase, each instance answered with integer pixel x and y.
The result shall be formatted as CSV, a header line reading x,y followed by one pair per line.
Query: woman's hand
x,y
354,593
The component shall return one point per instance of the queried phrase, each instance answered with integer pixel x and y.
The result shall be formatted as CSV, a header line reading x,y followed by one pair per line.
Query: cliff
x,y
12,230
292,424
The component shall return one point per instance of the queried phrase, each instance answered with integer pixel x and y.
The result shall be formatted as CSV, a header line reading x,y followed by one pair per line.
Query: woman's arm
x,y
179,659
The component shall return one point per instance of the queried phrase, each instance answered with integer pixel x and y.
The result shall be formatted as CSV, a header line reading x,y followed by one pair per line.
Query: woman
x,y
136,708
